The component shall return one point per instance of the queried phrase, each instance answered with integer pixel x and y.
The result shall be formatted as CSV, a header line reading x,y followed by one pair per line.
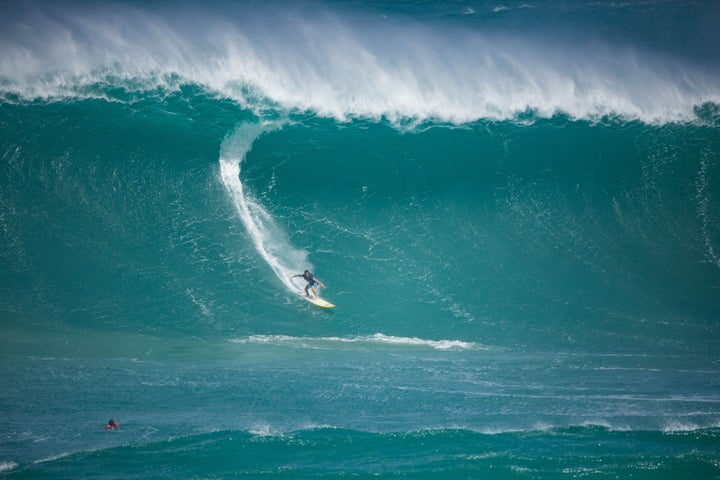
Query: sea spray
x,y
315,57
267,236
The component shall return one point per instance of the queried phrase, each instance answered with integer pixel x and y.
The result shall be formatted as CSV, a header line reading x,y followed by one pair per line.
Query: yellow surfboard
x,y
317,301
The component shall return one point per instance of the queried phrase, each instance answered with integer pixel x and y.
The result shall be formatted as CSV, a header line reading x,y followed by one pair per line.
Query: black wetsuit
x,y
310,278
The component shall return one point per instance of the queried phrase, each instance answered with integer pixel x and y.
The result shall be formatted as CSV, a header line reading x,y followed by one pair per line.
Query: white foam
x,y
677,426
6,466
263,430
362,341
52,458
341,66
269,239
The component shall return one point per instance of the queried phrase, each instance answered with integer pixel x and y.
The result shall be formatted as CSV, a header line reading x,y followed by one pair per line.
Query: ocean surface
x,y
515,206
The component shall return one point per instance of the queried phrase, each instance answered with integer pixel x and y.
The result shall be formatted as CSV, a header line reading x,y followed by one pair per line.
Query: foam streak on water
x,y
365,341
267,236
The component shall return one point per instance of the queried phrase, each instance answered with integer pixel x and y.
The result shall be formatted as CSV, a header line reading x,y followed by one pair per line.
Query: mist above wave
x,y
337,63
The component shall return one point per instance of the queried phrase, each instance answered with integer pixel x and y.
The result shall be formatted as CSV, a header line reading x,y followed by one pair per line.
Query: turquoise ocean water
x,y
514,205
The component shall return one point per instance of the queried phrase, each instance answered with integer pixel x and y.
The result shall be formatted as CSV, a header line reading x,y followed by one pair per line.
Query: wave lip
x,y
330,64
358,342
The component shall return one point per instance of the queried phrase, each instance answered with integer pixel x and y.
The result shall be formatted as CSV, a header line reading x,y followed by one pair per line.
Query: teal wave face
x,y
505,274
100,213
588,235
569,230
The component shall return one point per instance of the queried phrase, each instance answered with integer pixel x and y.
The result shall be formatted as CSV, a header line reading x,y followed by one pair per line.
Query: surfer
x,y
312,280
112,424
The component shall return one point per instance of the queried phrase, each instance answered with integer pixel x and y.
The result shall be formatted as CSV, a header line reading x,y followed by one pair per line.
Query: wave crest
x,y
343,66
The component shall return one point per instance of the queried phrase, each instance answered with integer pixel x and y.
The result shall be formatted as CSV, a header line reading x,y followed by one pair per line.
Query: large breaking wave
x,y
344,63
